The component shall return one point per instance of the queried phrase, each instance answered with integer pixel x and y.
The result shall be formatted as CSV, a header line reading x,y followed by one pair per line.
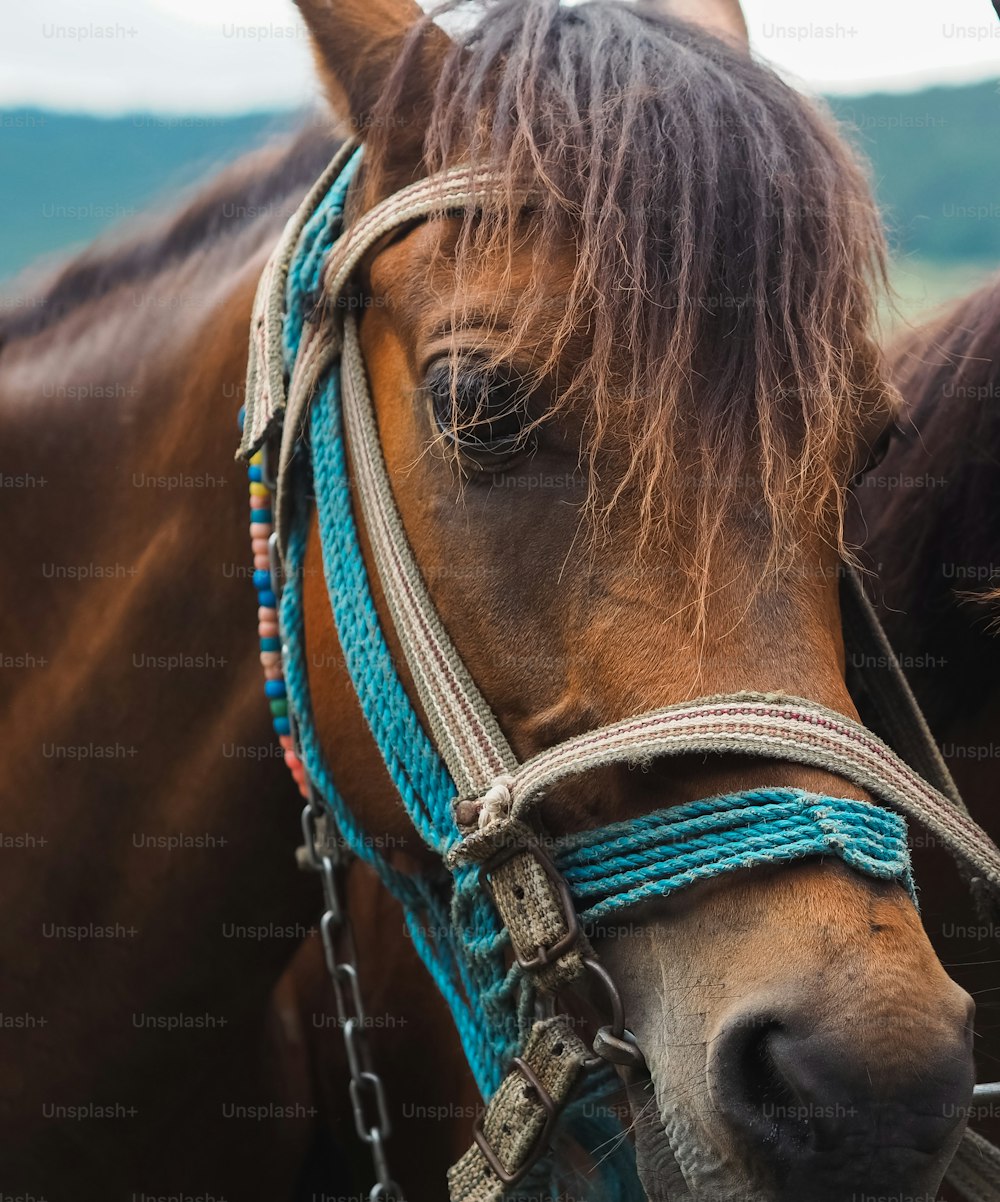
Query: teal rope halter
x,y
653,856
454,924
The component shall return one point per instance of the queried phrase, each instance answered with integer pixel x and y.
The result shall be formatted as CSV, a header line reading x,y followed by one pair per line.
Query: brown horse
x,y
931,529
687,315
148,915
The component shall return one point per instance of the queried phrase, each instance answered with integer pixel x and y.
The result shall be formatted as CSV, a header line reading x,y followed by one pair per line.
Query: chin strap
x,y
518,1124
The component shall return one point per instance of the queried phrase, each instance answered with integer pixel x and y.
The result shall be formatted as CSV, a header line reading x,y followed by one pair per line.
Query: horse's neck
x,y
934,544
141,777
933,539
129,535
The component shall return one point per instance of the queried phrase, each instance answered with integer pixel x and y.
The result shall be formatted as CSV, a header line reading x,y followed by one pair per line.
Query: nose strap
x,y
768,726
655,855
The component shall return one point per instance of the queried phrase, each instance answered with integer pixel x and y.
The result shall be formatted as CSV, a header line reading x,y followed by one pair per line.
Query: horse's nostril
x,y
753,1094
765,1102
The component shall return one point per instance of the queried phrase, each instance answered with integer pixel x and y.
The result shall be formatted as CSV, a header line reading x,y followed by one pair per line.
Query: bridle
x,y
511,888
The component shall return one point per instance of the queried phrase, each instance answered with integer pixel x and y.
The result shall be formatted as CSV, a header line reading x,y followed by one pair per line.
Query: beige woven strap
x,y
530,896
265,398
975,1171
764,725
462,723
536,907
518,1121
463,727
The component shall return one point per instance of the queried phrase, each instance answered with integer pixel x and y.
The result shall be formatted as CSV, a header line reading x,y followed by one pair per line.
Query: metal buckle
x,y
544,955
269,481
548,1104
274,562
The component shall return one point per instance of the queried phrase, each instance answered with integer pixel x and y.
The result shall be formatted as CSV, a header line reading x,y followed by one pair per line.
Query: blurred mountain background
x,y
935,157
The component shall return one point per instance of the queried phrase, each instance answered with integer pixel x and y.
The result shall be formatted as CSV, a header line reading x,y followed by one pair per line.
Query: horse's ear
x,y
356,43
724,18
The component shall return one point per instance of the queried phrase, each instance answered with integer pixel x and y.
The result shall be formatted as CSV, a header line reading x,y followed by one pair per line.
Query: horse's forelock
x,y
726,252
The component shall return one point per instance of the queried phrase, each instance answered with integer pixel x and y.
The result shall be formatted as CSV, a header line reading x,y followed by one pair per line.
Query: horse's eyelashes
x,y
480,409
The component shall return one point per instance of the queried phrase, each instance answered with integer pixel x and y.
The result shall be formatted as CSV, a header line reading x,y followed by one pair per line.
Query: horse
x,y
930,531
148,918
620,427
931,540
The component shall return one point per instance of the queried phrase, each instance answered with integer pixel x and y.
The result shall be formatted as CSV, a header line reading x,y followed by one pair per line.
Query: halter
x,y
510,890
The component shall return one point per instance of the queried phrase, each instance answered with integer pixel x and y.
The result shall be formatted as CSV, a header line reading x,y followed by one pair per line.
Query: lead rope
x,y
494,815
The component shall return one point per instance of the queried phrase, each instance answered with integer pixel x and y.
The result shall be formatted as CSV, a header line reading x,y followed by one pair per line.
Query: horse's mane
x,y
261,188
727,247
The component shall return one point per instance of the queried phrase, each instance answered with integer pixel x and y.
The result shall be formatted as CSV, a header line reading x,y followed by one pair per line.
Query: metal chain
x,y
326,853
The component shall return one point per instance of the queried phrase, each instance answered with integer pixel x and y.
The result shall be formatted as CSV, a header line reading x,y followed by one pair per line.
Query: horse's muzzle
x,y
840,1117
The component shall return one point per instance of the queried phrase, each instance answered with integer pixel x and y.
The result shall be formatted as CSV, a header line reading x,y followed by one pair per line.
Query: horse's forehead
x,y
430,299
429,254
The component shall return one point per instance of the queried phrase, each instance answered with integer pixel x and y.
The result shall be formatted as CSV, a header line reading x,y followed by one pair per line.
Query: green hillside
x,y
65,177
935,158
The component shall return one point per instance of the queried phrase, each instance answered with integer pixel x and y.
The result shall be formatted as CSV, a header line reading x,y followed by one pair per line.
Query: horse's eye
x,y
483,411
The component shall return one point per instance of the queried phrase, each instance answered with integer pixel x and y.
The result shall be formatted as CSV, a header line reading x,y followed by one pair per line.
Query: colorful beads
x,y
268,631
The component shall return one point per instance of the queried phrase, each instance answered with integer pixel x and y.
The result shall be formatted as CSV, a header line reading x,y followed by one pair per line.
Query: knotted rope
x,y
644,858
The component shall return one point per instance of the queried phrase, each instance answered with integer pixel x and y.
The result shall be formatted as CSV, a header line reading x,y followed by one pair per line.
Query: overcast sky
x,y
216,56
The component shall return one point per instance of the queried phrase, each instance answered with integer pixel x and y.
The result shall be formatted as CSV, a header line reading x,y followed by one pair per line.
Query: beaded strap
x,y
261,530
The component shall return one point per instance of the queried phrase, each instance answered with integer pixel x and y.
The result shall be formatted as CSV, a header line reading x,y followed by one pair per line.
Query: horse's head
x,y
620,423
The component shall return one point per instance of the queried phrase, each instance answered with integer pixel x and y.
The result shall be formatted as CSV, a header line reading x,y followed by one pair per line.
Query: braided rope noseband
x,y
307,376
